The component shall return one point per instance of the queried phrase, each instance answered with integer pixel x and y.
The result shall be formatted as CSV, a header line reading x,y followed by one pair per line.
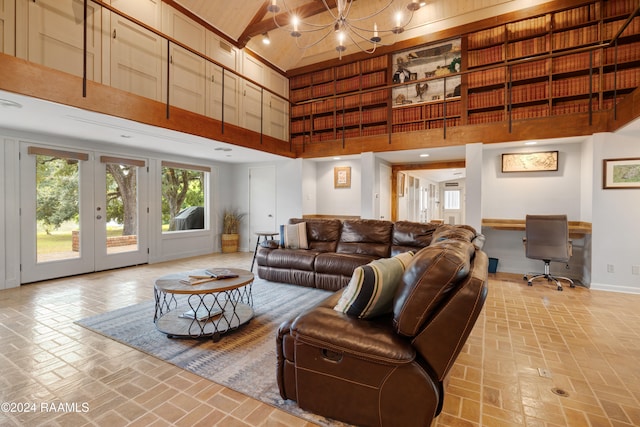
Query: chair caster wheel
x,y
560,288
529,284
572,285
524,277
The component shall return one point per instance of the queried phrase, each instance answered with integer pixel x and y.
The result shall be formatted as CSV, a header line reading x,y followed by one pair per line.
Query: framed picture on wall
x,y
621,173
342,177
530,162
401,184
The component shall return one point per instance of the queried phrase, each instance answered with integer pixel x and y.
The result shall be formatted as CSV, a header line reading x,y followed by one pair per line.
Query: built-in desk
x,y
577,229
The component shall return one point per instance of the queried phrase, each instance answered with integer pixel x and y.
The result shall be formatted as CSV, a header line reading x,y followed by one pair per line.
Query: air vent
x,y
225,46
451,184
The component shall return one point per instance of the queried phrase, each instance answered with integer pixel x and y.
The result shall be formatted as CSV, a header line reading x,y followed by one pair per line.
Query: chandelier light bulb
x,y
414,5
273,7
295,22
366,39
376,37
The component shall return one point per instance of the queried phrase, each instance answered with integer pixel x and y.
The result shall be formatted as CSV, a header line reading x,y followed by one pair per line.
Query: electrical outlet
x,y
635,269
609,268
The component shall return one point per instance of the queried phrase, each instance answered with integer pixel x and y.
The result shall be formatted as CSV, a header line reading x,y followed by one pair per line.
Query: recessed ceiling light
x,y
336,158
222,149
424,155
530,143
9,104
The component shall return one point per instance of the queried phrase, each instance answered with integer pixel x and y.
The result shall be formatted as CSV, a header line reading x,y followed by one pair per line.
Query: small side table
x,y
267,235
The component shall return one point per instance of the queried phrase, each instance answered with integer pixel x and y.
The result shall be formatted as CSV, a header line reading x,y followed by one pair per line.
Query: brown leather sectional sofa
x,y
388,370
337,247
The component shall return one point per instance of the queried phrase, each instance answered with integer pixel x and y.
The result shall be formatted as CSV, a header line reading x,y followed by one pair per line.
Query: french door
x,y
81,212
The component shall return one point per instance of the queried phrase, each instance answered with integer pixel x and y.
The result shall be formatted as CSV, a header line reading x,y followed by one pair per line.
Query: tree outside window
x,y
183,198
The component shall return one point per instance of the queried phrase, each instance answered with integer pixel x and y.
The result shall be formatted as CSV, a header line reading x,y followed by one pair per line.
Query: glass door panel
x,y
56,201
57,208
120,233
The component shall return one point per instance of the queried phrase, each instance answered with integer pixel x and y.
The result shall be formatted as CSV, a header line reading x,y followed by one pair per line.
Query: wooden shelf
x,y
577,229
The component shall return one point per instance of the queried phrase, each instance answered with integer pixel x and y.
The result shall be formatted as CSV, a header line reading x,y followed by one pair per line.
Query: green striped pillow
x,y
372,287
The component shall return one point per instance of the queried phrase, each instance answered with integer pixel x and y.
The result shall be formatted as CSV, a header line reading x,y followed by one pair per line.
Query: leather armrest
x,y
371,340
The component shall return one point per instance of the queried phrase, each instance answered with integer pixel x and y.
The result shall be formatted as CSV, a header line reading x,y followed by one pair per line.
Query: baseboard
x,y
615,288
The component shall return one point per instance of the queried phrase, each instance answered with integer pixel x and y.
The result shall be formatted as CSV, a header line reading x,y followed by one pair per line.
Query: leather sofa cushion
x,y
322,234
297,259
460,232
427,282
340,264
367,237
411,236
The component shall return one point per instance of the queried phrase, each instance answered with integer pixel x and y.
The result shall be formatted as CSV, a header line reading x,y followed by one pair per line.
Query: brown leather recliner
x,y
390,370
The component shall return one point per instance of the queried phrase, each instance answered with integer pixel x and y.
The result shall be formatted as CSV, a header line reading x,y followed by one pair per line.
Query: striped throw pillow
x,y
372,287
294,236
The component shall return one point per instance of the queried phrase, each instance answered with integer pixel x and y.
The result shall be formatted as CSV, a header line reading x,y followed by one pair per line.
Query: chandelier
x,y
358,29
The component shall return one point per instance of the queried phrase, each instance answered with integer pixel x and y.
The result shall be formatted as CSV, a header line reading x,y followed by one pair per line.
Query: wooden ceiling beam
x,y
259,25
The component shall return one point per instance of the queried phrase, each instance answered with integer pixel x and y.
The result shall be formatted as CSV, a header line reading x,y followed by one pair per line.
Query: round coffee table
x,y
208,308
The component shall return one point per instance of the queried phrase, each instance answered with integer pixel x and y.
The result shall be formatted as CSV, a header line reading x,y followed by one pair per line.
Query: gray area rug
x,y
243,360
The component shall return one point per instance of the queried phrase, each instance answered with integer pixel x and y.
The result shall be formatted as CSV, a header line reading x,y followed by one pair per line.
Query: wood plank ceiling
x,y
245,21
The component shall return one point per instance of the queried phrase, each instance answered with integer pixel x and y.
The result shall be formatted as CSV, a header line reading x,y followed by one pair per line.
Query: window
x,y
452,199
183,196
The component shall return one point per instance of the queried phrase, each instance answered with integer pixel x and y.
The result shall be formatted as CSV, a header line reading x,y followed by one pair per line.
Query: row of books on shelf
x,y
528,27
489,98
609,29
433,124
485,117
576,62
485,56
346,102
576,37
486,37
487,77
575,86
623,79
572,107
529,70
576,16
619,7
530,112
430,111
624,53
530,92
528,47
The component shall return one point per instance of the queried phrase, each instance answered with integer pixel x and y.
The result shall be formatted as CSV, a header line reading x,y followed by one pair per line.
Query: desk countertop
x,y
576,228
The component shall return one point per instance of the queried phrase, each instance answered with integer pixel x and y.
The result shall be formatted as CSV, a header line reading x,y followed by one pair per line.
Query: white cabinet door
x,y
187,80
252,107
7,26
136,59
277,115
214,95
147,11
55,36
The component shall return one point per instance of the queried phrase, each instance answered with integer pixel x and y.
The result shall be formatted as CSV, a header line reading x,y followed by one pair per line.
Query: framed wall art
x,y
530,162
342,177
621,173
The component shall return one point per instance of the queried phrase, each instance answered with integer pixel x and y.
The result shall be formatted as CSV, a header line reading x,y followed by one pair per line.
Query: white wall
x,y
514,195
309,187
616,228
338,201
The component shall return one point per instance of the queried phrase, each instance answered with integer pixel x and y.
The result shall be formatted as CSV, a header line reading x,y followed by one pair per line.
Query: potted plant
x,y
230,226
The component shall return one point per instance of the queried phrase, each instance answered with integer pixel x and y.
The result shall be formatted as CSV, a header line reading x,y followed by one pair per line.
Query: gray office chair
x,y
547,239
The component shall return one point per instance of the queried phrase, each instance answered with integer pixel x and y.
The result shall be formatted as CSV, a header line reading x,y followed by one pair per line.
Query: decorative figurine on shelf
x,y
421,89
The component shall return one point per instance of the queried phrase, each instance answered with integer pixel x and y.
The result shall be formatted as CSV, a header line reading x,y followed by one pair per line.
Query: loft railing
x,y
171,41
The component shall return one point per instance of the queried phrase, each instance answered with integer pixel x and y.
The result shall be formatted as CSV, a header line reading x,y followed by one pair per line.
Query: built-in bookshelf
x,y
340,101
555,63
555,84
